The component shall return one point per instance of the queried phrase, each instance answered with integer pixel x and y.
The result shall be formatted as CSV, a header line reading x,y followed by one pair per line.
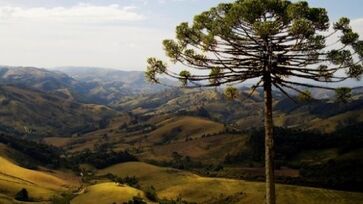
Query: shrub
x,y
150,193
22,195
136,200
64,198
129,180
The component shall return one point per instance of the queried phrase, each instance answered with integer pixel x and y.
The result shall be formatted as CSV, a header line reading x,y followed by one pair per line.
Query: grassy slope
x,y
89,140
6,200
208,149
107,193
46,113
191,127
330,125
171,183
40,185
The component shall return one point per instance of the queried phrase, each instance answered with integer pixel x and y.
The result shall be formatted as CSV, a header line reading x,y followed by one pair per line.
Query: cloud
x,y
82,35
357,25
80,13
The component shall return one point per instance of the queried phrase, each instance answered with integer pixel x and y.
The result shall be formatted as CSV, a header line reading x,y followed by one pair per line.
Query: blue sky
x,y
107,33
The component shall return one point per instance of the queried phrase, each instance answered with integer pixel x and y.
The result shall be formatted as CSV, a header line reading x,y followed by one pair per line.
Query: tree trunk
x,y
269,143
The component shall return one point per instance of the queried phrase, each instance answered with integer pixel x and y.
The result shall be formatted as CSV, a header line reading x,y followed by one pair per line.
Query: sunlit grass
x,y
40,185
171,183
107,193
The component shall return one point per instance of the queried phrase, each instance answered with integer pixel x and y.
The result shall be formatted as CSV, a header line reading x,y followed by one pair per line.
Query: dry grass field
x,y
107,193
40,185
171,183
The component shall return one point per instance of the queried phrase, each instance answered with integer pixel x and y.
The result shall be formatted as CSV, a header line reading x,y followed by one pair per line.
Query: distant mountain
x,y
37,78
86,85
50,82
113,79
247,112
34,113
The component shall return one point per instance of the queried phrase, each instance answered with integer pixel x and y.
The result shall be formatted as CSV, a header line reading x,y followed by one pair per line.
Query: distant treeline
x,y
102,158
40,154
342,171
35,154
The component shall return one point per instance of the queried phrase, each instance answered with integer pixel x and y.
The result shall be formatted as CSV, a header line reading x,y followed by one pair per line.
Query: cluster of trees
x,y
335,173
136,200
128,180
63,198
170,136
53,157
176,201
199,112
22,195
144,127
179,161
101,159
182,162
46,155
338,174
291,142
140,200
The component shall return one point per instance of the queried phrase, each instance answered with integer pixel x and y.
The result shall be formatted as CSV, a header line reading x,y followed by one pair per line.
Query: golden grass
x,y
171,183
160,178
40,185
107,193
7,200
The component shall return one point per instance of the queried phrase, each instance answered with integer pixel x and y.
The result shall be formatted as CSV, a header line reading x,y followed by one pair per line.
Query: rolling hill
x,y
108,192
41,185
246,112
198,131
37,78
88,85
114,82
171,183
34,113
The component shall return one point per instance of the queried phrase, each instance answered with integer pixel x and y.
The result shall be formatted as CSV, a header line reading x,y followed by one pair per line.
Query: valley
x,y
83,137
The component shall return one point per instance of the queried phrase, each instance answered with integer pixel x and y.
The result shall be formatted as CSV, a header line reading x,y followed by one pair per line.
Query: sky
x,y
118,34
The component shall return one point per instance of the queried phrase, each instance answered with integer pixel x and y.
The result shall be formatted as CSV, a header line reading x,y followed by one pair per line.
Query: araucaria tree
x,y
281,44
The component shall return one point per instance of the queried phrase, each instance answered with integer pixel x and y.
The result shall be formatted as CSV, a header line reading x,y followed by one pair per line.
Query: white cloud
x,y
357,25
80,13
81,35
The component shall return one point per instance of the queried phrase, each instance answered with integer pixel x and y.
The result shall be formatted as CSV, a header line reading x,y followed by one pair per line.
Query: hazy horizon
x,y
111,33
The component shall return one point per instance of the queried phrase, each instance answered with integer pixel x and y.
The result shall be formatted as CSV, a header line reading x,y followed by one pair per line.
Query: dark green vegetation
x,y
41,154
22,195
55,158
193,130
102,157
322,159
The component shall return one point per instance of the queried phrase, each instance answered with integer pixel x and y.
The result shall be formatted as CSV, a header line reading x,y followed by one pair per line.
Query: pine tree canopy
x,y
247,39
